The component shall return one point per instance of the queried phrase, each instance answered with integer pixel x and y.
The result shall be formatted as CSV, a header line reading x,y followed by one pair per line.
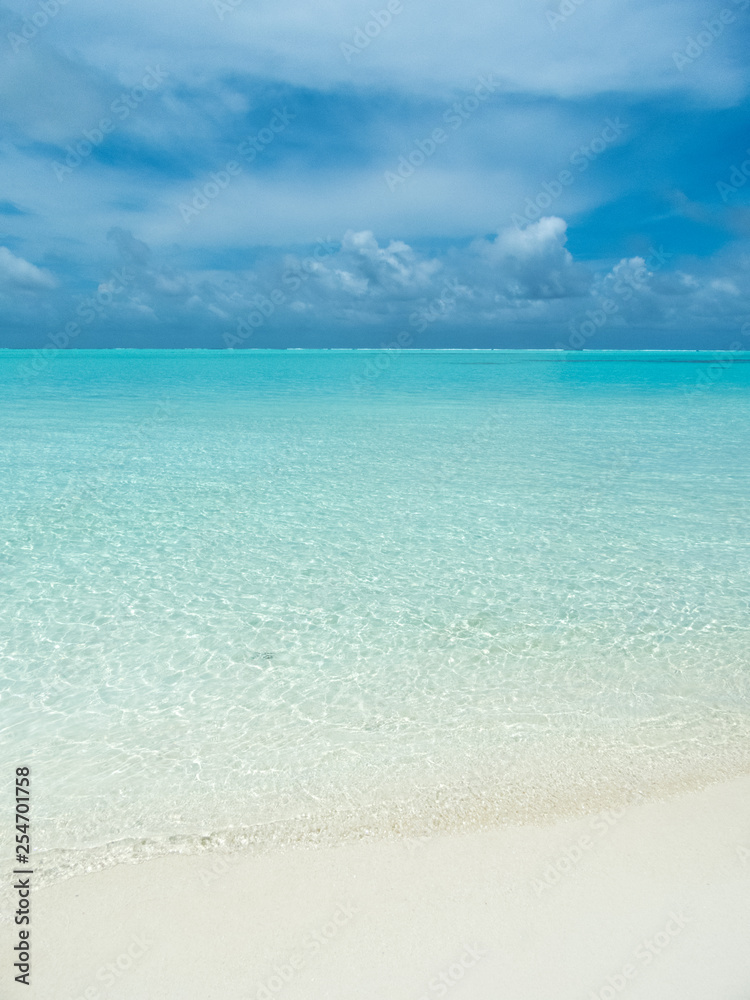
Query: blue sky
x,y
517,173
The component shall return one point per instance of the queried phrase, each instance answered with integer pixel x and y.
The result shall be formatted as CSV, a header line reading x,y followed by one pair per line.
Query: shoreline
x,y
649,901
452,806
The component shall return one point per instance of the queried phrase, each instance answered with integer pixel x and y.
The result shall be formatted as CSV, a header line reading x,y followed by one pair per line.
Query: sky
x,y
408,173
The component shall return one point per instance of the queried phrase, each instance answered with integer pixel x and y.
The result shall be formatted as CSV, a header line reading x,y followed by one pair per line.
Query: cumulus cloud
x,y
363,268
533,263
559,78
362,291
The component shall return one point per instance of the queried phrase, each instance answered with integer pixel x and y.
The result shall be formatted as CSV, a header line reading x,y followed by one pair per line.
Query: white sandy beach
x,y
653,903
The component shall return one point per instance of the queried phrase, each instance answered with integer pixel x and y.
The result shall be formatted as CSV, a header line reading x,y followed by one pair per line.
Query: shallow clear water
x,y
264,596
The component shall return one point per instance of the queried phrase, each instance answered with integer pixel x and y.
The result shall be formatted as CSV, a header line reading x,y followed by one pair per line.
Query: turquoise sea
x,y
261,597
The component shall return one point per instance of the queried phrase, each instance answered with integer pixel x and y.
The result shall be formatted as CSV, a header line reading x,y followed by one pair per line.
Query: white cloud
x,y
611,45
515,288
723,285
517,275
393,270
533,263
15,272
